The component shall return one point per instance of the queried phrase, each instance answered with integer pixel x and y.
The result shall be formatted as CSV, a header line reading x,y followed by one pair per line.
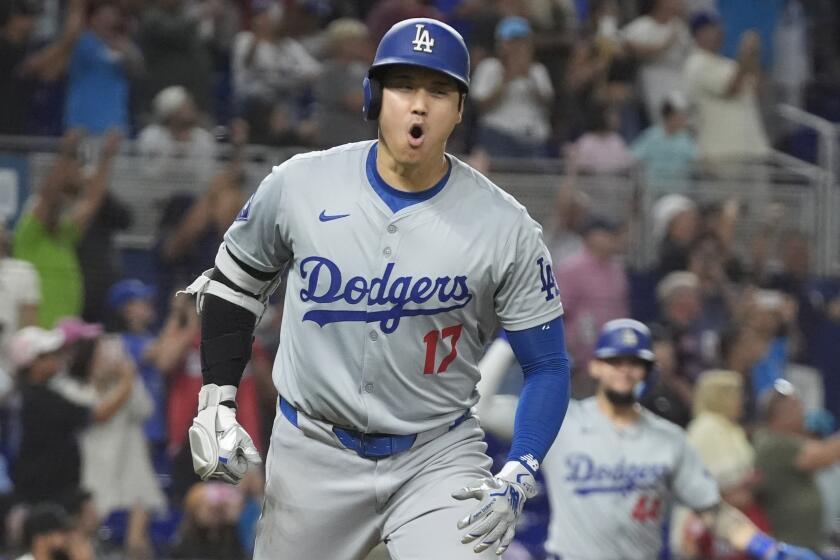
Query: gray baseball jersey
x,y
612,488
386,314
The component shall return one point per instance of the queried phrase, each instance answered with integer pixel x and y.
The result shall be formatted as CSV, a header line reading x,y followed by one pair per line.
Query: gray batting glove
x,y
221,448
502,498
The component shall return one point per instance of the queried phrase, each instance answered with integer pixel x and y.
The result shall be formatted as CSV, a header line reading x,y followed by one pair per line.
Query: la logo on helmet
x,y
422,42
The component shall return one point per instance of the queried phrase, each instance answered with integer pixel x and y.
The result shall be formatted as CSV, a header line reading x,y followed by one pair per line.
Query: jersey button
x,y
392,229
373,335
368,387
387,251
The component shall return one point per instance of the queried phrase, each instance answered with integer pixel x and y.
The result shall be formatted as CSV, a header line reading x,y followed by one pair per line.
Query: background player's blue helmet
x,y
424,42
625,338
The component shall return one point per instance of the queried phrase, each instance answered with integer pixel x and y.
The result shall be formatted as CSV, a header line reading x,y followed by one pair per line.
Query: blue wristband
x,y
760,545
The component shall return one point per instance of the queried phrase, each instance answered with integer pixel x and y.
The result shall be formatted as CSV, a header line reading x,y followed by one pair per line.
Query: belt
x,y
375,446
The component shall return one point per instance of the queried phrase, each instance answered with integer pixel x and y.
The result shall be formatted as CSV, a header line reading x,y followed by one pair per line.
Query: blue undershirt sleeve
x,y
541,352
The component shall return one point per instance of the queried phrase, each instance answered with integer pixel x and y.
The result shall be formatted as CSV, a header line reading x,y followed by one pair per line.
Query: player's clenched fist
x,y
502,498
221,448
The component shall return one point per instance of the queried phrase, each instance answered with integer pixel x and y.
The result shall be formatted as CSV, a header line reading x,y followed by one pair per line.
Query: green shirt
x,y
54,257
790,497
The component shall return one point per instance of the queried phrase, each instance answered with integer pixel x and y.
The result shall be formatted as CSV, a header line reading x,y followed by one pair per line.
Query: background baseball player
x,y
616,469
394,288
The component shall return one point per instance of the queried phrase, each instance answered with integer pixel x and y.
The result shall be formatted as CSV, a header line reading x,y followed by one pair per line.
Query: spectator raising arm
x,y
749,63
818,454
491,79
65,173
129,56
176,337
217,206
647,50
198,219
114,400
725,227
50,62
733,526
97,186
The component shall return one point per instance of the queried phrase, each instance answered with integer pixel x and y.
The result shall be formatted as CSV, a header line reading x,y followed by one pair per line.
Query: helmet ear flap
x,y
373,98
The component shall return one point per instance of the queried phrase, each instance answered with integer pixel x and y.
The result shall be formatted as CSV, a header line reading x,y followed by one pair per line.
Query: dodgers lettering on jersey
x,y
383,290
611,488
386,314
586,476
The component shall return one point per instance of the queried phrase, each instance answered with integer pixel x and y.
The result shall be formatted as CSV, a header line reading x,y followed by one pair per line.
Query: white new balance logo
x,y
422,42
531,461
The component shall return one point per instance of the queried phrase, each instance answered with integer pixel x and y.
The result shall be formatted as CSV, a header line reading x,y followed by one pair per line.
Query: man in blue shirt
x,y
101,63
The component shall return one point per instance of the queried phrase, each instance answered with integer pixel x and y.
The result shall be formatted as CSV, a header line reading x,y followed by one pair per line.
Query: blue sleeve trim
x,y
541,352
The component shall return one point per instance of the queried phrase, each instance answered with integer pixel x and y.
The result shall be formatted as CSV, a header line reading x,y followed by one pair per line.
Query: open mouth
x,y
416,134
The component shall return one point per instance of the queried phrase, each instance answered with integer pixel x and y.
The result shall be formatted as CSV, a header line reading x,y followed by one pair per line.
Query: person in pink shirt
x,y
593,283
601,149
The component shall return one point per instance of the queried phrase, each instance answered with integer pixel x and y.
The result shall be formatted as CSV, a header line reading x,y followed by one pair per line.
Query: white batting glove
x,y
221,448
502,499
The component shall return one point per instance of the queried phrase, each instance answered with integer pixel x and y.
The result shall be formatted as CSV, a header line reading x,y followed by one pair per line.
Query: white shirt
x,y
163,155
518,112
727,127
662,74
276,67
19,285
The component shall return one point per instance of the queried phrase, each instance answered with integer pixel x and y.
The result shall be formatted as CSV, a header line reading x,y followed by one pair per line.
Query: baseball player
x,y
615,469
402,262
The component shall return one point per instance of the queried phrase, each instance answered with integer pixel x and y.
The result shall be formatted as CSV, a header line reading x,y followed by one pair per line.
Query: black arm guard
x,y
226,338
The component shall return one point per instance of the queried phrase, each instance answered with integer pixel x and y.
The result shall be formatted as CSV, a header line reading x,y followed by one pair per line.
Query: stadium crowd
x,y
100,364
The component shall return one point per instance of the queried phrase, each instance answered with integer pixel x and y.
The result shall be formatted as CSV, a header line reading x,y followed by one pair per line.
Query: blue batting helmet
x,y
625,338
424,42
